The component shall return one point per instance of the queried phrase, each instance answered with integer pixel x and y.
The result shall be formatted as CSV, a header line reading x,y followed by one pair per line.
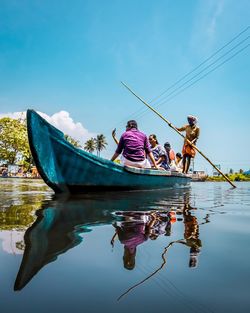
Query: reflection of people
x,y
161,223
191,234
131,234
137,227
133,145
192,134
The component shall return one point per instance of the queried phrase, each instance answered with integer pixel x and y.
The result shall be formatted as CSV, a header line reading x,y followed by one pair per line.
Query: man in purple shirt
x,y
134,146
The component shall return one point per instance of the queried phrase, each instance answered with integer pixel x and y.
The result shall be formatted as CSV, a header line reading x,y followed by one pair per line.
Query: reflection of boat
x,y
68,169
59,226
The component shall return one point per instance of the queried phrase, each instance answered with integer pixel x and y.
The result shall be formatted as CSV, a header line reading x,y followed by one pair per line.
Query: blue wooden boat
x,y
66,168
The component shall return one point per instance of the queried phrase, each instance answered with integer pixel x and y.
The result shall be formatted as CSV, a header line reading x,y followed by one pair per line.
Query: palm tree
x,y
101,143
72,141
90,145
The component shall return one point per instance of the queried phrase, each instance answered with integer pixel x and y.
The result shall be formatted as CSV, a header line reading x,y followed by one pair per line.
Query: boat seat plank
x,y
147,171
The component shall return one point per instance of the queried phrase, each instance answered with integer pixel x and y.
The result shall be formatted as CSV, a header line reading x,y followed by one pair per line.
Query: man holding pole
x,y
192,134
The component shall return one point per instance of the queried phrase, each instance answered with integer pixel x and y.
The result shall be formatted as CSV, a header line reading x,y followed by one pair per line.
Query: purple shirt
x,y
133,143
132,234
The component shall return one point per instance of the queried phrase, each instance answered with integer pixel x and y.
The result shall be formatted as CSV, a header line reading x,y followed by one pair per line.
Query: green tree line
x,y
14,145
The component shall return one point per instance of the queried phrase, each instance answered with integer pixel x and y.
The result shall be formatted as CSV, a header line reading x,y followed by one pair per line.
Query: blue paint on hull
x,y
68,169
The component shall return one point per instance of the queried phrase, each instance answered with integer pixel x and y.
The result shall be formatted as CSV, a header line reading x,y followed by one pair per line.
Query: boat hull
x,y
68,169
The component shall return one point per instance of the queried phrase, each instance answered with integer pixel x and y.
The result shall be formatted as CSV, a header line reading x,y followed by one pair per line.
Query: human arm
x,y
181,129
196,136
160,160
150,154
113,239
149,225
114,137
115,155
119,149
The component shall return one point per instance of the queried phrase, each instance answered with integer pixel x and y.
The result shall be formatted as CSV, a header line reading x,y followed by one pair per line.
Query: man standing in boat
x,y
134,146
192,134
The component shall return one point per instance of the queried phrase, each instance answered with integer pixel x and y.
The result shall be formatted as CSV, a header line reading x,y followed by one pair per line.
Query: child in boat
x,y
178,162
177,165
171,155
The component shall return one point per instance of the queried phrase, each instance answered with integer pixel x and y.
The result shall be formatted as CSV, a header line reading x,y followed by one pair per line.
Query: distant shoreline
x,y
231,177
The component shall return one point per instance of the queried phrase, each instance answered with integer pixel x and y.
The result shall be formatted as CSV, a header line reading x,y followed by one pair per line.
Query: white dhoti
x,y
141,164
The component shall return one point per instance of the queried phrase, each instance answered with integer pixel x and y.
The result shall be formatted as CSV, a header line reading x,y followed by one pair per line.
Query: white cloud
x,y
207,25
15,115
215,15
12,241
62,121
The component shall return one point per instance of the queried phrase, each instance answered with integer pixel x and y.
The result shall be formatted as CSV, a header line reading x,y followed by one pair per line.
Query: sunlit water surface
x,y
177,250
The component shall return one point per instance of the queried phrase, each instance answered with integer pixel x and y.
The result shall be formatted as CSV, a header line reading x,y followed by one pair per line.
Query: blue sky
x,y
70,56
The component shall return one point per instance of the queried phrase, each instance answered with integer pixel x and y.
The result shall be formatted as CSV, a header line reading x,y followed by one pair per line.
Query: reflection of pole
x,y
157,270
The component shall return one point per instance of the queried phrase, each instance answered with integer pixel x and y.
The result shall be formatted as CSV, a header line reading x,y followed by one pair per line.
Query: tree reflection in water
x,y
19,200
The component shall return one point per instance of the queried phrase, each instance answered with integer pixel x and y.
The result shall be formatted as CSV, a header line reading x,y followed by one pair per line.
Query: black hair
x,y
155,138
132,124
167,144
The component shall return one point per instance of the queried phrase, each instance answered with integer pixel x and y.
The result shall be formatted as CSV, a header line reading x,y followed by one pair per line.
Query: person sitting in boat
x,y
192,135
170,154
5,172
178,162
134,147
159,153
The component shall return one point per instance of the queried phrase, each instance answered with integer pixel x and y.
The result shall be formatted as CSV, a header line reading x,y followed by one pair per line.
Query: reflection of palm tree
x,y
101,143
90,145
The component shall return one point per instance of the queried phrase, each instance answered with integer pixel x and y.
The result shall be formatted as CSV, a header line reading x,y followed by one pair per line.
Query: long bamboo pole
x,y
172,126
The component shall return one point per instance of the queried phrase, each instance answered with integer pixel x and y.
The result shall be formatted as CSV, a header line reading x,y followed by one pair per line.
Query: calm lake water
x,y
177,250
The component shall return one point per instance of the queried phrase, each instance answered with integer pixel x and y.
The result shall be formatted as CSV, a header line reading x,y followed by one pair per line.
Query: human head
x,y
153,236
192,120
131,124
153,140
193,260
178,155
167,146
129,258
